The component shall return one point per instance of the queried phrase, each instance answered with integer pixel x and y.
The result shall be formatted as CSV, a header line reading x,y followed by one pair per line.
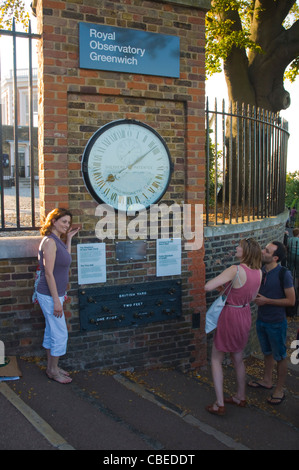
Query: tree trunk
x,y
255,80
258,78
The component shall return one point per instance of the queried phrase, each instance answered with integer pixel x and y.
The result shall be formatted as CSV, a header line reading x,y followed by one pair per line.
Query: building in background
x,y
23,122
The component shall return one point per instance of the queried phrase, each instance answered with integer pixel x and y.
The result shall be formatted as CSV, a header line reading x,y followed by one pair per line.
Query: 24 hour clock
x,y
127,165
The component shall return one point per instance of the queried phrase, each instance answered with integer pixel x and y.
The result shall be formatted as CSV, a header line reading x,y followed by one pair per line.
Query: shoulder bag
x,y
215,309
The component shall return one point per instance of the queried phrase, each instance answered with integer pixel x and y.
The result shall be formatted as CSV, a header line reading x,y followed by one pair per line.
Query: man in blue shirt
x,y
271,322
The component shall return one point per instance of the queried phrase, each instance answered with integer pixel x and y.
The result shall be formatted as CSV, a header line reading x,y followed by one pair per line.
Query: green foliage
x,y
292,190
292,71
10,9
229,25
215,177
222,32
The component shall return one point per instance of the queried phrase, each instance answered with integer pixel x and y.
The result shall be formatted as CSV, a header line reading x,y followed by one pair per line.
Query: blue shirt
x,y
271,288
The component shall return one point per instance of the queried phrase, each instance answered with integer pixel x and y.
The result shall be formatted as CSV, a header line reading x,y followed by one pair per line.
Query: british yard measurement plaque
x,y
130,305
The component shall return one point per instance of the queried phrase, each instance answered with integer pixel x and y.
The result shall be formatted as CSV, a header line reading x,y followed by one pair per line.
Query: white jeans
x,y
56,334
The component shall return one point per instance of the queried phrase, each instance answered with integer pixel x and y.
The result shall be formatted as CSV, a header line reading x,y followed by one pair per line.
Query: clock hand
x,y
140,158
133,148
112,178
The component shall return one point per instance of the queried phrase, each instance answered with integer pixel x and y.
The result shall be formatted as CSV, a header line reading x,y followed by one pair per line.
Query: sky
x,y
216,88
291,115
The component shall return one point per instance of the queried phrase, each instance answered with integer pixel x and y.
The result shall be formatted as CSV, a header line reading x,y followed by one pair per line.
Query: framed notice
x,y
91,263
169,257
103,47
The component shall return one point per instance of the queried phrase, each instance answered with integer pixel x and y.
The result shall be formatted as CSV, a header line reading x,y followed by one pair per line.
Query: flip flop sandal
x,y
254,384
280,400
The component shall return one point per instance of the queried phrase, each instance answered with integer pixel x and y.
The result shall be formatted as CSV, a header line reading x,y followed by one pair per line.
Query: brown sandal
x,y
231,401
219,412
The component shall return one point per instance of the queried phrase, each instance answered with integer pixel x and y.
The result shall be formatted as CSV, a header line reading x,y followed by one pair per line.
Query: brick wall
x,y
73,104
22,325
69,95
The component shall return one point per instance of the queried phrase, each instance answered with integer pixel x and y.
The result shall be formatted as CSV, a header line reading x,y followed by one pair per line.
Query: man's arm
x,y
288,301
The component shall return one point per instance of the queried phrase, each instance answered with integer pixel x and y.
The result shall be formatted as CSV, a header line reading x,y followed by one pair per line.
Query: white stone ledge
x,y
200,4
19,247
27,247
258,224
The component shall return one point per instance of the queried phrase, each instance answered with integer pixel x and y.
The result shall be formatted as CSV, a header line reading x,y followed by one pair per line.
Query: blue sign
x,y
128,50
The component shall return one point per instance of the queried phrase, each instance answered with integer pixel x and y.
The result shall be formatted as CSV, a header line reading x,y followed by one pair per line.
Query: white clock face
x,y
127,165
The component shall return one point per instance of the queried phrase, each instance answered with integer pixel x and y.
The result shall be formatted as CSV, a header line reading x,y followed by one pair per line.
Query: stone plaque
x,y
131,250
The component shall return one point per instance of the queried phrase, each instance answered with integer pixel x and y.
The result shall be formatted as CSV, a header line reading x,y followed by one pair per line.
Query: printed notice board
x,y
169,257
128,50
91,263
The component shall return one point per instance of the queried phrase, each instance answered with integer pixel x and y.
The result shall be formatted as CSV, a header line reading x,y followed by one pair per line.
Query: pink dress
x,y
234,323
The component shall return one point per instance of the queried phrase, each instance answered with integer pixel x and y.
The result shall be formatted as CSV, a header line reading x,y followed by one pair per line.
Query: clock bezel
x,y
94,138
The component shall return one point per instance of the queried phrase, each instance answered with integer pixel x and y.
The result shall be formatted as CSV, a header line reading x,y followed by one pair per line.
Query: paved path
x,y
153,411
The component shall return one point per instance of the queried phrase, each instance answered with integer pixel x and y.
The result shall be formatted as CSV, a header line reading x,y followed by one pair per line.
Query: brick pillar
x,y
74,103
53,89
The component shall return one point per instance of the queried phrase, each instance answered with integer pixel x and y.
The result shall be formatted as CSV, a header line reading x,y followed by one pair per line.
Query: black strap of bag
x,y
292,310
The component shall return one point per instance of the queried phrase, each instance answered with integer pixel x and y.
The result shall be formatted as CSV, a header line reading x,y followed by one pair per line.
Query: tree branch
x,y
286,46
267,20
293,32
281,7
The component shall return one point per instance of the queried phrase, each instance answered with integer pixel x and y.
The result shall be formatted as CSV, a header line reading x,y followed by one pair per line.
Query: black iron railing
x,y
13,215
293,257
246,155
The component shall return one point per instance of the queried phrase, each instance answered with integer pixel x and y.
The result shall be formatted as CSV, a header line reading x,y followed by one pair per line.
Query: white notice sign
x,y
169,257
91,263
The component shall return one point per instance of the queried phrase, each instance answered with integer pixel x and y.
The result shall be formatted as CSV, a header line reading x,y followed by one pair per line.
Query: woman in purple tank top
x,y
55,259
234,323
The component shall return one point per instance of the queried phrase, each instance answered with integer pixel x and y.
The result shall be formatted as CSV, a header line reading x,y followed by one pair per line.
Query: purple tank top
x,y
61,268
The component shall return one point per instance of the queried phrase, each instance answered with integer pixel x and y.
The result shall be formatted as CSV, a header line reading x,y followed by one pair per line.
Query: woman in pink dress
x,y
234,323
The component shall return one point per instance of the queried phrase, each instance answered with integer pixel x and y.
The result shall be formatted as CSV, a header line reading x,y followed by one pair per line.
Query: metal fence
x,y
293,257
246,155
15,215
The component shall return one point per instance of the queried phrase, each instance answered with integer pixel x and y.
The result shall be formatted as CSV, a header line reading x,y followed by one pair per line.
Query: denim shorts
x,y
272,338
56,334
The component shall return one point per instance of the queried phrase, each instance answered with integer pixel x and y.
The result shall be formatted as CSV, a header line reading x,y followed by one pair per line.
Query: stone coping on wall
x,y
27,246
202,4
19,247
220,230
